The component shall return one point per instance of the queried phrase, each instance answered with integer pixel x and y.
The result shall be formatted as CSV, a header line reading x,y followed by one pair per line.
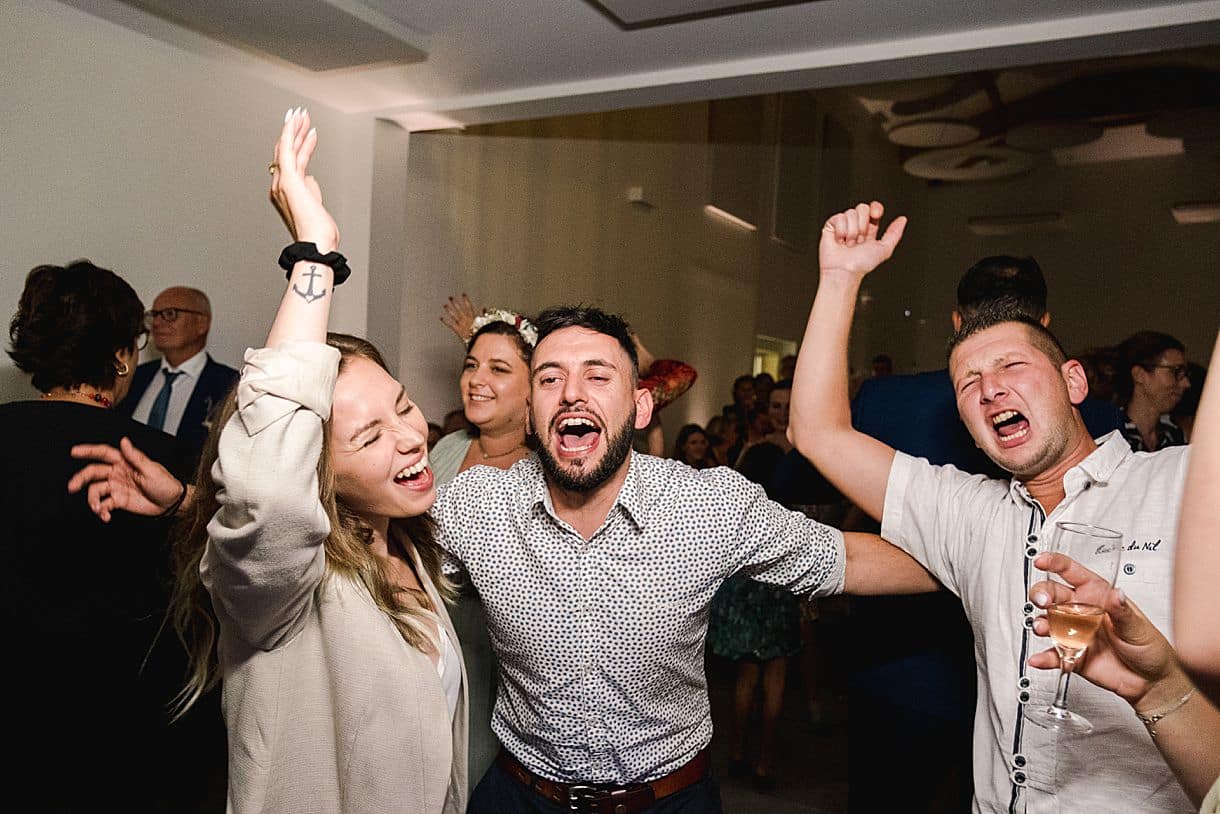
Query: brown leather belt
x,y
596,798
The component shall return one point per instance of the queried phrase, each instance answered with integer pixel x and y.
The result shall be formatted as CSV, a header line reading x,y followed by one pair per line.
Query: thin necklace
x,y
95,397
488,457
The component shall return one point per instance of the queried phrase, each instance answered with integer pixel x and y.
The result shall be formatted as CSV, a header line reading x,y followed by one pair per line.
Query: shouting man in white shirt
x,y
1017,393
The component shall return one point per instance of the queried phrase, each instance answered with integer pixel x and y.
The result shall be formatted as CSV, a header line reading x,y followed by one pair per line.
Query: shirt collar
x,y
631,496
1097,468
191,367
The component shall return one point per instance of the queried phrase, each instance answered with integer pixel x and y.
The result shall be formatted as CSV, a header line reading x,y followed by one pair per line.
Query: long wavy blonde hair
x,y
347,553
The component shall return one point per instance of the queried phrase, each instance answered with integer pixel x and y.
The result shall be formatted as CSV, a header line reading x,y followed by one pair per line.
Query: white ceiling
x,y
496,60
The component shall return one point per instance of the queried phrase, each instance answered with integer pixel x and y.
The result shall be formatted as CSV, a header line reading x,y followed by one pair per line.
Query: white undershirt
x,y
450,670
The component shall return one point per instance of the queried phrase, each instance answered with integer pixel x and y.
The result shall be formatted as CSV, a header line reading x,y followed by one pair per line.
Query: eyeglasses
x,y
1179,372
168,314
141,340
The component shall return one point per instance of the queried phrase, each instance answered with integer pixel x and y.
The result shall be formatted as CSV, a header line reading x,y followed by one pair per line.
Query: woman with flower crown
x,y
494,384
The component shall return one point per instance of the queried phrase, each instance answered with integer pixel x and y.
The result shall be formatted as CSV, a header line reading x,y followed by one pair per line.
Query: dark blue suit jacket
x,y
215,382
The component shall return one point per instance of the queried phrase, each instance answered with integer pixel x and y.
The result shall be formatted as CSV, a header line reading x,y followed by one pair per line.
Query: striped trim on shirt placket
x,y
1036,518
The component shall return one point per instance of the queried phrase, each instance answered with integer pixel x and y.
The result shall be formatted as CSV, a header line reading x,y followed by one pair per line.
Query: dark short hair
x,y
70,322
1142,348
559,317
1018,280
743,379
1005,311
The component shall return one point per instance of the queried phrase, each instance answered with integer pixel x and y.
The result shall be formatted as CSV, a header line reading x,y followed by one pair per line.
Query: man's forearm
x,y
820,425
875,567
819,390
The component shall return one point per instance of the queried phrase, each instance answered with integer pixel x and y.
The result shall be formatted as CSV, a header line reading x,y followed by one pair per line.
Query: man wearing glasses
x,y
179,392
1152,379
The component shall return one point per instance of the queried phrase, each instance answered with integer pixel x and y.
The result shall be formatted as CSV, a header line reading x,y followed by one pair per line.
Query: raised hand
x,y
645,356
852,242
1129,656
458,316
125,479
296,195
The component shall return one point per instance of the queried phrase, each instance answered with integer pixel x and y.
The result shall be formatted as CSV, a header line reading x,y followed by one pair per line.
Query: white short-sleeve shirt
x,y
979,537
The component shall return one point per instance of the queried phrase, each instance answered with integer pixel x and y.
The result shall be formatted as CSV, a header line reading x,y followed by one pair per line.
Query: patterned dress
x,y
752,620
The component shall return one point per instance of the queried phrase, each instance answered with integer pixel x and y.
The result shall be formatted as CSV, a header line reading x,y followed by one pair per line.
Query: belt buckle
x,y
579,794
582,797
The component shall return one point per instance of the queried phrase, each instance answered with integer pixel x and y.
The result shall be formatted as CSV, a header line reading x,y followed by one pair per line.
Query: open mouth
x,y
479,397
578,436
416,476
1010,425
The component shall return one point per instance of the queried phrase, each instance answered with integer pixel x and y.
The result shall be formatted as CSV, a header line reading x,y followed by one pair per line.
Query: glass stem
x,y
1066,666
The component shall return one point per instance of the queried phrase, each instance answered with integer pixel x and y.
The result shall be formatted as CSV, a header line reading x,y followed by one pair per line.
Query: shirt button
x,y
1029,623
1031,552
1018,760
1023,683
1033,538
1023,696
1018,777
1027,608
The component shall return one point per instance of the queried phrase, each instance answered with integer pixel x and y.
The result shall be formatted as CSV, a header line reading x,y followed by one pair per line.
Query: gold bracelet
x,y
1152,718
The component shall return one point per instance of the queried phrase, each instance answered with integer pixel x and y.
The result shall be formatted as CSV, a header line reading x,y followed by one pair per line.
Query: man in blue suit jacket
x,y
180,392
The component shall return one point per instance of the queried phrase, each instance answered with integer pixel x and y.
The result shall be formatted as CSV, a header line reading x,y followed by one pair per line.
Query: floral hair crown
x,y
523,326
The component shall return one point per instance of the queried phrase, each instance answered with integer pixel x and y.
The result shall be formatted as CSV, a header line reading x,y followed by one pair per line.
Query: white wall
x,y
532,214
152,162
535,214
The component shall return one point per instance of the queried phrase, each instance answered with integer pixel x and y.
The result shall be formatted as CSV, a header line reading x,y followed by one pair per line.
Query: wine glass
x,y
1074,623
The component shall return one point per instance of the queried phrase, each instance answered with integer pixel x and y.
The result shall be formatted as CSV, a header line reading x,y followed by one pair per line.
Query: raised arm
x,y
305,307
265,552
820,426
1131,659
1196,602
458,316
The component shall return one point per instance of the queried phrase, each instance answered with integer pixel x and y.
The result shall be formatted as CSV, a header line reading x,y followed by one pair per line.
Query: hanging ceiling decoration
x,y
988,125
933,133
974,162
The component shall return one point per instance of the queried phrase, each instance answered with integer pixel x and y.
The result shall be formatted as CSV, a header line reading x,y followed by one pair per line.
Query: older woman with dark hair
x,y
82,599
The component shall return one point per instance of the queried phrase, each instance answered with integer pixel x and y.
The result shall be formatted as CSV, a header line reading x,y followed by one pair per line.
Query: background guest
x,y
494,388
758,625
693,448
81,685
191,385
1152,377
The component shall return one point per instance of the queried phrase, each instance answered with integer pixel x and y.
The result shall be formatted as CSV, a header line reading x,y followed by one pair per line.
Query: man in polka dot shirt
x,y
596,566
1017,393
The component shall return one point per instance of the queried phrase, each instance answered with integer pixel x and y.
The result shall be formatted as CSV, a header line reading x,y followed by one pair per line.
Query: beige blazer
x,y
327,708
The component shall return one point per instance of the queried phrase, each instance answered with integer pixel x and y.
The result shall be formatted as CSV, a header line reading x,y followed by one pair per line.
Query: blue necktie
x,y
156,416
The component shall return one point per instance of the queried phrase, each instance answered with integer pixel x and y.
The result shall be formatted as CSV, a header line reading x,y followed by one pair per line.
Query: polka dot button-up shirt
x,y
600,642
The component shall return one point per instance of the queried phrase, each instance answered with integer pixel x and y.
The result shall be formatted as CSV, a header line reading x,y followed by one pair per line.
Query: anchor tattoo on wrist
x,y
310,295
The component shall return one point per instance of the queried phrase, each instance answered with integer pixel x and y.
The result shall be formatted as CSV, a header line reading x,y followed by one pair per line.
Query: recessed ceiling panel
x,y
313,34
633,14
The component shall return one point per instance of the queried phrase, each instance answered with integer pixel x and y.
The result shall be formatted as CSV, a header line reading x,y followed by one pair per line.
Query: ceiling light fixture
x,y
733,219
1196,212
995,225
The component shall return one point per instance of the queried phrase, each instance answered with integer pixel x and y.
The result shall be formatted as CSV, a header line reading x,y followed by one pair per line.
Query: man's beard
x,y
618,447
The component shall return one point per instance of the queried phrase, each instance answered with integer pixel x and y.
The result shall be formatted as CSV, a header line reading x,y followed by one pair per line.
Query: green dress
x,y
750,620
